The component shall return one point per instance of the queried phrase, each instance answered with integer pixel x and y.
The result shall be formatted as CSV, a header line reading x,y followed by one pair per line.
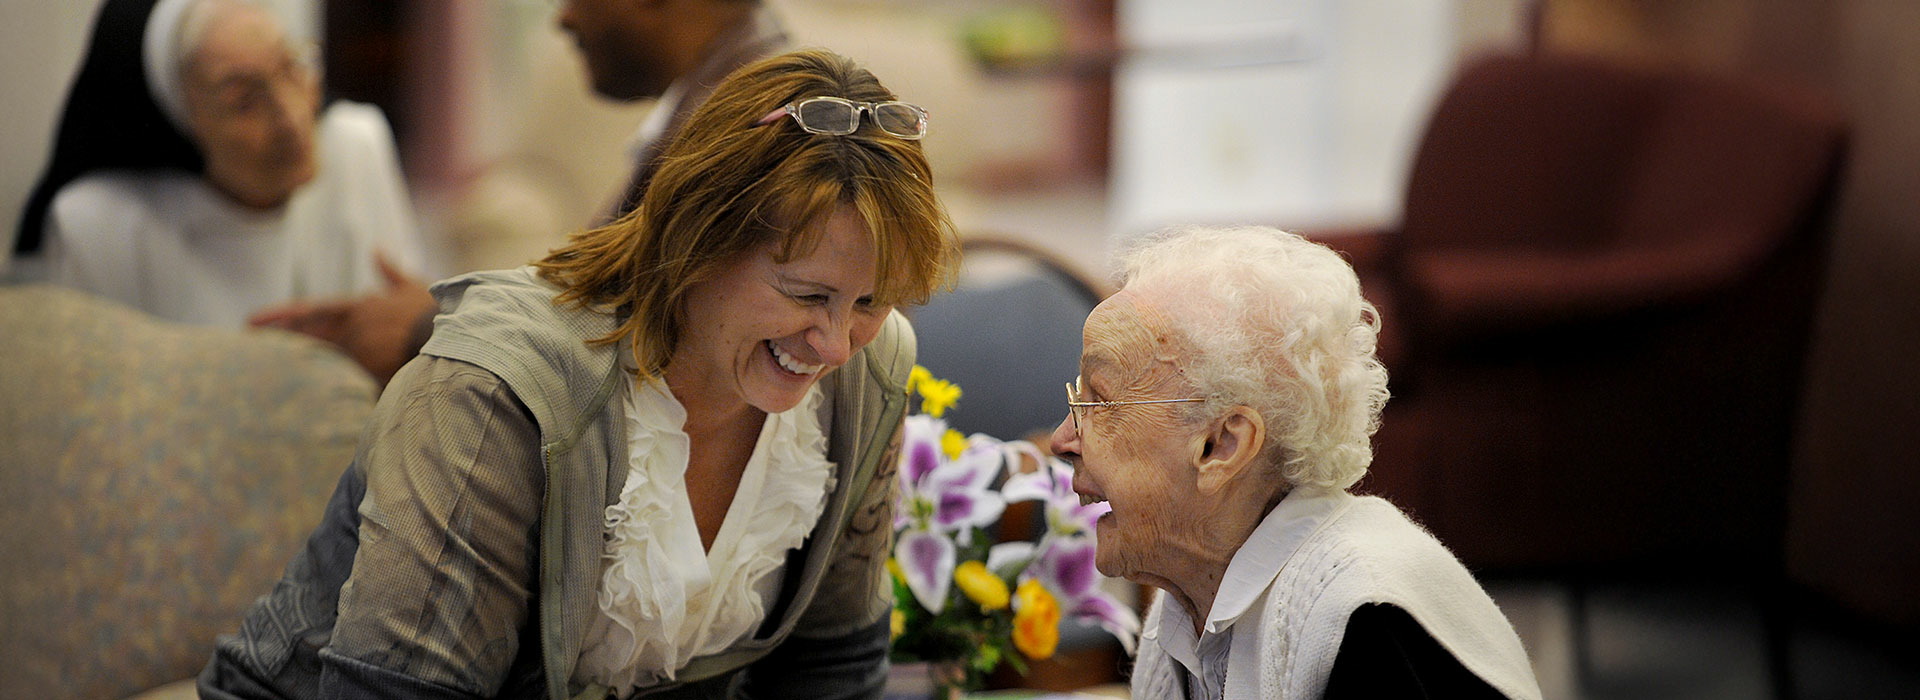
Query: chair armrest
x,y
1365,248
1470,292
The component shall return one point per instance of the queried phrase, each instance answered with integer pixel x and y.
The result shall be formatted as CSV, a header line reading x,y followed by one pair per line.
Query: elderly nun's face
x,y
1134,457
764,332
251,107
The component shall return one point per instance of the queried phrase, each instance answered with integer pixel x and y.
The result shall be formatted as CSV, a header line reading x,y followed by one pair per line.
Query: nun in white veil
x,y
196,178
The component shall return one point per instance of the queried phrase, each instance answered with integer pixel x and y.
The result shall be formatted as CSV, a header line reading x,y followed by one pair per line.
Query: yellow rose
x,y
1036,620
980,585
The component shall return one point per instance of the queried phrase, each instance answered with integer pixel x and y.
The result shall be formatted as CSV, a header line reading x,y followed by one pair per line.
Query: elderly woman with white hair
x,y
195,177
1226,401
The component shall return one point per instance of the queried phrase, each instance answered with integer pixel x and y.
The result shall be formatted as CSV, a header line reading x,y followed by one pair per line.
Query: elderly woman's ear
x,y
1230,445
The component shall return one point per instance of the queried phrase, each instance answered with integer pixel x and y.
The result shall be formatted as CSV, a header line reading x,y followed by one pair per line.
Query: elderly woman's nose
x,y
288,103
1065,439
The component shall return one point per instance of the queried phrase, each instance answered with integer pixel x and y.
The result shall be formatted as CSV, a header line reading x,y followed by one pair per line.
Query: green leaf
x,y
987,658
1018,663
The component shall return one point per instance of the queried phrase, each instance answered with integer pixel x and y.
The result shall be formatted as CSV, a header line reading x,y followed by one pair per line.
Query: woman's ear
x,y
1232,444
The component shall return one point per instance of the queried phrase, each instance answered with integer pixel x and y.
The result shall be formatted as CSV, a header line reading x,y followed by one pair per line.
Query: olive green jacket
x,y
462,553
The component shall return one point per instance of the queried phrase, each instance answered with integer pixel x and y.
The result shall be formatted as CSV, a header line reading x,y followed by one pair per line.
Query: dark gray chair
x,y
1009,335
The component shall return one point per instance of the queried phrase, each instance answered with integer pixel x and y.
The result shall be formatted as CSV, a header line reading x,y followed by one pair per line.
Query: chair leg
x,y
1580,610
1776,626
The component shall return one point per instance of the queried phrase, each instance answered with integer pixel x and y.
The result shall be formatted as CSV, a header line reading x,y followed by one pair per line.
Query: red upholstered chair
x,y
1597,309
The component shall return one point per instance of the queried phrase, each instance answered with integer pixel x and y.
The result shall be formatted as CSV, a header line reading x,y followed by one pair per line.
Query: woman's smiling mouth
x,y
788,363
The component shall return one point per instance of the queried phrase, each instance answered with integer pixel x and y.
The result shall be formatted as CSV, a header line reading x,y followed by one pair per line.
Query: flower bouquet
x,y
963,603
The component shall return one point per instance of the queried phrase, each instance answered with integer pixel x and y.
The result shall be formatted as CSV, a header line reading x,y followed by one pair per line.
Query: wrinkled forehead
x,y
233,37
1127,338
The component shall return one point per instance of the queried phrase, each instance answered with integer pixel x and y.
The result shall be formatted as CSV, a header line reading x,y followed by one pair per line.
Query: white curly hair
x,y
1274,322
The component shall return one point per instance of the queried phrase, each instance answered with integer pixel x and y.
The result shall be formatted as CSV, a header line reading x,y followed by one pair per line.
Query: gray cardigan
x,y
461,554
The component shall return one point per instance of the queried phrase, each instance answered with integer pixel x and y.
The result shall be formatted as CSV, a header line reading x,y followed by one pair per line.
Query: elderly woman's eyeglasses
x,y
839,117
1076,407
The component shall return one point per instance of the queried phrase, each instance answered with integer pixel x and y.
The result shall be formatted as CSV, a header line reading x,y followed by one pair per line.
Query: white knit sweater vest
x,y
1369,553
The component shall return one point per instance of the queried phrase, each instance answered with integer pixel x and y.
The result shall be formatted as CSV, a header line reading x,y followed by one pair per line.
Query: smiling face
x,y
1135,457
251,105
763,332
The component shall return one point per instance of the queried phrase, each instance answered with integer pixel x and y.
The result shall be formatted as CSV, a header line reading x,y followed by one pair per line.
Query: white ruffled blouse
x,y
663,600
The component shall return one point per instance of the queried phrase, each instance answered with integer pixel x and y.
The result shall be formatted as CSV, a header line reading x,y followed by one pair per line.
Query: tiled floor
x,y
1652,643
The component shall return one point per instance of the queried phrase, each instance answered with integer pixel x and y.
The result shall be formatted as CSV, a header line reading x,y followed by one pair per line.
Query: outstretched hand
x,y
378,330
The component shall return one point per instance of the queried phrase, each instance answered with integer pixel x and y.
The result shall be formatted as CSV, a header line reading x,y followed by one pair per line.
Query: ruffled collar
x,y
662,599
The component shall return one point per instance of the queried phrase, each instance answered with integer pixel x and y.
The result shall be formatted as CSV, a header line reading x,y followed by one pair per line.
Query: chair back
x,y
155,481
1009,335
1605,281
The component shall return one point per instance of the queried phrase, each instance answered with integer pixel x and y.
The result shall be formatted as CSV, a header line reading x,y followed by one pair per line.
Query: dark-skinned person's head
x,y
634,49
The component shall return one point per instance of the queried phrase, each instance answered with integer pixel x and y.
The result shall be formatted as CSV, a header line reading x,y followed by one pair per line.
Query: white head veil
x,y
173,31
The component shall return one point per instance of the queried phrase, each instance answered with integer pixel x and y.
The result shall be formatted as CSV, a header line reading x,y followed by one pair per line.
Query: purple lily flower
x,y
1054,484
1065,566
926,560
939,496
1063,561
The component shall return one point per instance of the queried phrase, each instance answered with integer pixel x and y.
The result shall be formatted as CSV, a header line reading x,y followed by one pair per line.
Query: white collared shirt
x,y
1219,657
655,124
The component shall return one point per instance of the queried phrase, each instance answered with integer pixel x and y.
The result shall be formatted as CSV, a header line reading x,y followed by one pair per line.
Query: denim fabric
x,y
274,655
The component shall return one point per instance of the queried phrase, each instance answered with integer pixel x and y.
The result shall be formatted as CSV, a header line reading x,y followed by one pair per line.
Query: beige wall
x,y
40,45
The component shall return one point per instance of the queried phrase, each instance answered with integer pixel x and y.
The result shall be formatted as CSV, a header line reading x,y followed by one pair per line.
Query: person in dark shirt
x,y
1226,400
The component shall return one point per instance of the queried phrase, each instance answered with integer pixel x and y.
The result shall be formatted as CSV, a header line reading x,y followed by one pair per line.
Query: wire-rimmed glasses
x,y
1075,406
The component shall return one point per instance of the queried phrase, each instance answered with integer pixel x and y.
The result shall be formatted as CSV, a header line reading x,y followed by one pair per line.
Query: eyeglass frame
x,y
1074,403
791,109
